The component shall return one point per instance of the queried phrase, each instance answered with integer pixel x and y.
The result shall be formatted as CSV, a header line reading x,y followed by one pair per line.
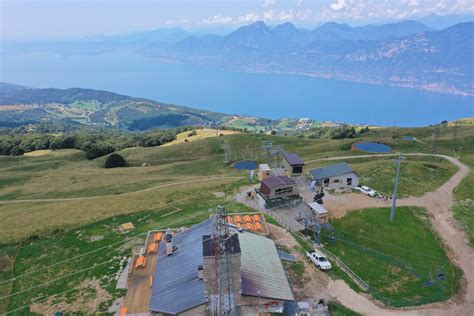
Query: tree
x,y
115,161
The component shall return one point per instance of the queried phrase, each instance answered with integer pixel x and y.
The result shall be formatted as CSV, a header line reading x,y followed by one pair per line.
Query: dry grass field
x,y
200,134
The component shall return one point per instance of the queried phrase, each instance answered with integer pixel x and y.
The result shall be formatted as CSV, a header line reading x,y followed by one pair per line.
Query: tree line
x,y
94,142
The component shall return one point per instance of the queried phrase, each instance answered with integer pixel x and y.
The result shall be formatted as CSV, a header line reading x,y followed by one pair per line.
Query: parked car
x,y
319,260
366,190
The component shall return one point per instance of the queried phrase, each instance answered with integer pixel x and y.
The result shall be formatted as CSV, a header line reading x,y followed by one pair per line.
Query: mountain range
x,y
407,53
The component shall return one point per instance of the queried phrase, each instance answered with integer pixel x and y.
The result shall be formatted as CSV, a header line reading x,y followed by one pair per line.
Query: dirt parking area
x,y
314,283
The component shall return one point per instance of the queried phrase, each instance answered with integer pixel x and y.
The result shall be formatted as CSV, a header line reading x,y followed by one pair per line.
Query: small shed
x,y
264,171
293,164
126,227
337,176
320,211
278,187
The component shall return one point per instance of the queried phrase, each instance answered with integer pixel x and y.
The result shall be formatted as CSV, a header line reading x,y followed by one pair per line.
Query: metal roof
x,y
264,167
331,171
208,244
293,159
262,271
176,287
315,206
277,181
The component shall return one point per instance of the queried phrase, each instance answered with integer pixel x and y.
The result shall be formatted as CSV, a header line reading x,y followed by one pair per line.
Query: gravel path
x,y
439,205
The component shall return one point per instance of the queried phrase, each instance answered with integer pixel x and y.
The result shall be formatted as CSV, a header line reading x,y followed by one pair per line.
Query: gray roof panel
x,y
331,171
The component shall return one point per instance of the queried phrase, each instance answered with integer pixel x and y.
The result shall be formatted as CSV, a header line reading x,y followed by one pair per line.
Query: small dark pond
x,y
246,165
373,147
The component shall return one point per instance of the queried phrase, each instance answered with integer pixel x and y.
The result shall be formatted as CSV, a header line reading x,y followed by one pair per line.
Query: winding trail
x,y
439,206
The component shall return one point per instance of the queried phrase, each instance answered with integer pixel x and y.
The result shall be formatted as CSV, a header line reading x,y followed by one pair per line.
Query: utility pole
x,y
436,139
395,190
227,152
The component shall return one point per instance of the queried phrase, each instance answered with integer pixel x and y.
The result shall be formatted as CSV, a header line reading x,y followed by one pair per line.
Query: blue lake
x,y
373,147
264,95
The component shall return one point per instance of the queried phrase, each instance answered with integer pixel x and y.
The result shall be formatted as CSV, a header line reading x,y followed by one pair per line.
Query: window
x,y
335,181
298,169
285,190
326,181
349,181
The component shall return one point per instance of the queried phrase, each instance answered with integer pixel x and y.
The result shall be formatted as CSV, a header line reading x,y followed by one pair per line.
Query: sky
x,y
39,19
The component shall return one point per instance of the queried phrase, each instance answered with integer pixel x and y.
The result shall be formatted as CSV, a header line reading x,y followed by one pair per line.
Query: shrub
x,y
115,161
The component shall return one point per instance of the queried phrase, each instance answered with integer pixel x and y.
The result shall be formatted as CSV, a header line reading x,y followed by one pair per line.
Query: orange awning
x,y
152,248
158,236
258,227
256,218
238,219
230,220
141,262
248,219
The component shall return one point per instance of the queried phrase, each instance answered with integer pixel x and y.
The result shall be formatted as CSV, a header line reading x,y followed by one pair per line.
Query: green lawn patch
x,y
395,259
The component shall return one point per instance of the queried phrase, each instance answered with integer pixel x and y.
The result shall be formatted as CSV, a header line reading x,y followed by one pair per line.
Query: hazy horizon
x,y
65,19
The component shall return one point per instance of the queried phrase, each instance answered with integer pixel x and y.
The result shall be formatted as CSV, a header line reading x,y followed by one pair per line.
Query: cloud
x,y
339,5
268,3
217,19
249,17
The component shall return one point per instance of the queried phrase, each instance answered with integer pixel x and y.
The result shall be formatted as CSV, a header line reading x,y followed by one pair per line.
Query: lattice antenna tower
x,y
225,295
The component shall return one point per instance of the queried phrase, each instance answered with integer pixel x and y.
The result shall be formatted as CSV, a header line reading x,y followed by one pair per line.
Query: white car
x,y
366,190
319,260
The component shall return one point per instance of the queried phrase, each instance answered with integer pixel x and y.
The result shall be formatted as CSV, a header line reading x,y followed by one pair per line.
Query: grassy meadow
x,y
77,203
395,259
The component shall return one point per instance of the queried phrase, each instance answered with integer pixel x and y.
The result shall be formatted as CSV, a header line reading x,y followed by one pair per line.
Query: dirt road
x,y
439,205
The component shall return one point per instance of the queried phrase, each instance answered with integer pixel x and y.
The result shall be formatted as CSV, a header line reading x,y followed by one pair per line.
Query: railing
x,y
358,280
344,267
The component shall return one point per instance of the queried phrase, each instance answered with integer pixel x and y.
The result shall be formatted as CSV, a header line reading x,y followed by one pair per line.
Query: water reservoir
x,y
373,147
246,165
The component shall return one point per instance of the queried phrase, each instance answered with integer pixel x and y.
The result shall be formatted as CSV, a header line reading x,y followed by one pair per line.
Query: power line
x,y
63,277
98,249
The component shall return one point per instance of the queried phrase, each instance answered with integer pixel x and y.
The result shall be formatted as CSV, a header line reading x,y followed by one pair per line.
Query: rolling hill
x,y
21,105
95,107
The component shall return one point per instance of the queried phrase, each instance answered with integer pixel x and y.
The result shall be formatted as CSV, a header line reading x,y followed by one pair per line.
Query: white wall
x,y
343,181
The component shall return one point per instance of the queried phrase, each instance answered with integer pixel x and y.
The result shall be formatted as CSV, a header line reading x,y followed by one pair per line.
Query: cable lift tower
x,y
277,152
268,148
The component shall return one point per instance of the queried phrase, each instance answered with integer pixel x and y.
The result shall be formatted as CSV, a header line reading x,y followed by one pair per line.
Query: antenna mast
x,y
225,296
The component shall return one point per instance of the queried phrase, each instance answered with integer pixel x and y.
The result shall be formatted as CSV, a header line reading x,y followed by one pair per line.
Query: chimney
x,y
169,242
200,272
